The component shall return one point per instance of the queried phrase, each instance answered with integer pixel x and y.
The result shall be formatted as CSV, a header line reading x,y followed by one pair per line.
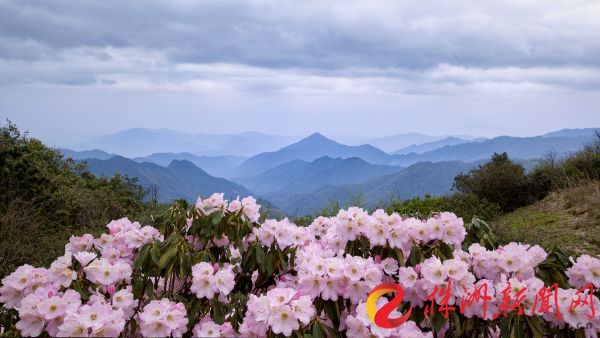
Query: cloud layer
x,y
345,68
315,47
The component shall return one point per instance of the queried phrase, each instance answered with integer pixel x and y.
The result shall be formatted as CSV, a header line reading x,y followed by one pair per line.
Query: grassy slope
x,y
569,218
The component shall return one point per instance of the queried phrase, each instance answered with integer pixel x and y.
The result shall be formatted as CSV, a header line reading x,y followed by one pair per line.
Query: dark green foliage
x,y
505,183
419,207
44,199
580,167
470,206
479,231
500,181
467,206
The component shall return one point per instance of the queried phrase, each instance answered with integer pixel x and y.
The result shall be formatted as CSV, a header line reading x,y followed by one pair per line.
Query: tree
x,y
499,181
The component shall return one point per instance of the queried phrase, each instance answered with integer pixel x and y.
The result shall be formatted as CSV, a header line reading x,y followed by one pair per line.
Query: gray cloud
x,y
314,34
321,33
435,62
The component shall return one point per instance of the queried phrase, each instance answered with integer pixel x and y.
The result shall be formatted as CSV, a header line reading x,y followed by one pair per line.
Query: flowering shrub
x,y
213,270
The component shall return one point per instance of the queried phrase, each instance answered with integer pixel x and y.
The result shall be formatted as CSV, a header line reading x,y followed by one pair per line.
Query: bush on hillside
x,y
467,206
499,181
578,168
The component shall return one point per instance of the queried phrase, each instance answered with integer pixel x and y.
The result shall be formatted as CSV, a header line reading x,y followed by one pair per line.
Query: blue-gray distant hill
x,y
417,180
516,147
214,165
180,179
308,149
393,142
317,145
577,132
429,146
300,176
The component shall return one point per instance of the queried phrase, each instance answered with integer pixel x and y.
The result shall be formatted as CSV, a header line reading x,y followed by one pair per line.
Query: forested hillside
x,y
44,199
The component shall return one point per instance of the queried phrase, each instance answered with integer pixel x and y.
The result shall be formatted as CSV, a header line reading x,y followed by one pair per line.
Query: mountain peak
x,y
183,164
316,136
313,140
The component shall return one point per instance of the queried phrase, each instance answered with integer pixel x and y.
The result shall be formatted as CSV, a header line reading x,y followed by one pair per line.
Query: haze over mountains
x,y
392,143
308,149
141,142
214,165
516,147
420,179
429,146
304,176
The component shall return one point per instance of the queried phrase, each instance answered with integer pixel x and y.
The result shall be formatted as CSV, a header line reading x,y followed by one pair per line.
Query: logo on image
x,y
381,317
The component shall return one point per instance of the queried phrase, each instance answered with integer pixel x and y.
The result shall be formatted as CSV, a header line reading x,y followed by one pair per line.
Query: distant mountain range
x,y
308,149
516,147
300,176
429,146
577,132
417,180
180,179
304,176
141,142
214,165
392,143
317,145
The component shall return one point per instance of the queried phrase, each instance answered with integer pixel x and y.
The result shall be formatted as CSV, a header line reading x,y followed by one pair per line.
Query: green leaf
x,y
83,292
438,321
149,288
457,326
185,266
141,258
270,263
216,219
399,256
172,239
415,256
505,325
205,257
331,332
260,254
316,331
154,254
193,308
535,325
167,257
138,284
333,312
218,314
446,251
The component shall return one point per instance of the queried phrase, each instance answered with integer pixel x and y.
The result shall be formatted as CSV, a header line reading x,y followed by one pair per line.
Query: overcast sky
x,y
70,70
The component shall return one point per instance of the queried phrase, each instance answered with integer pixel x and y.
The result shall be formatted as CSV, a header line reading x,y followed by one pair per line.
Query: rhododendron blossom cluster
x,y
282,310
163,318
213,269
208,280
